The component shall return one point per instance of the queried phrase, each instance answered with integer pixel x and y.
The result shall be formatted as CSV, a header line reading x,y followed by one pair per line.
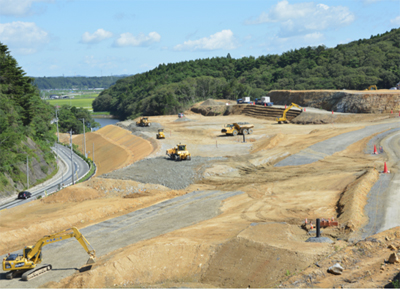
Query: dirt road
x,y
67,256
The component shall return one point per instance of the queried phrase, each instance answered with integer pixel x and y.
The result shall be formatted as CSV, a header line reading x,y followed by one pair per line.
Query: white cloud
x,y
304,18
219,40
395,21
127,39
18,7
96,37
23,37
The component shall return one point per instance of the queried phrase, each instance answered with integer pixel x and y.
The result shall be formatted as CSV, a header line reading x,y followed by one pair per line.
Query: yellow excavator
x,y
372,87
179,153
283,118
27,264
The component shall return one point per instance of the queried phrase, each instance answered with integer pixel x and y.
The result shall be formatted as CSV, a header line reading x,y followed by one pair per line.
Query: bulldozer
x,y
179,153
372,87
160,134
143,121
283,118
238,128
27,264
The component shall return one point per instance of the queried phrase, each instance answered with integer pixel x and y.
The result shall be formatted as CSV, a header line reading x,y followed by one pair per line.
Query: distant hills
x,y
76,82
171,88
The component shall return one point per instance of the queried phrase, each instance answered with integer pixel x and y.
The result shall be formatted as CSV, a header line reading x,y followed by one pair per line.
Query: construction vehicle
x,y
143,121
264,100
283,118
160,134
372,87
238,128
179,153
27,264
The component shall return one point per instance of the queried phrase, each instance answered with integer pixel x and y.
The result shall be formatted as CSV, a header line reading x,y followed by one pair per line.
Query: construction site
x,y
204,206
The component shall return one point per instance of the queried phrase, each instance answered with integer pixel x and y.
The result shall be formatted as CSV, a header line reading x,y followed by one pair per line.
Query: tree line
x,y
171,88
78,82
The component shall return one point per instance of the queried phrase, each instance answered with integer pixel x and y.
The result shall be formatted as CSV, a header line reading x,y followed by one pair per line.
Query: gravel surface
x,y
319,240
183,119
154,127
160,170
67,256
330,146
369,149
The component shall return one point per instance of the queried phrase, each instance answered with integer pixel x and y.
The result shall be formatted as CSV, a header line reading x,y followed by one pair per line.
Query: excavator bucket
x,y
91,260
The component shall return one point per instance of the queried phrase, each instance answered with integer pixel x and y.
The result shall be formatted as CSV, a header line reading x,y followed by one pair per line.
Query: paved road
x,y
80,168
67,256
335,144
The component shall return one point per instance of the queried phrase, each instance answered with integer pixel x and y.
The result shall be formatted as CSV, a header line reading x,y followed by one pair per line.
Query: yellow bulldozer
x,y
160,134
143,121
238,128
179,153
27,264
283,118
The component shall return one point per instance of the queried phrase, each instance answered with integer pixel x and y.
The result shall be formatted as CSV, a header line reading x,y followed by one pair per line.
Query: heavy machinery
x,y
143,121
283,118
179,153
372,87
160,134
238,128
27,264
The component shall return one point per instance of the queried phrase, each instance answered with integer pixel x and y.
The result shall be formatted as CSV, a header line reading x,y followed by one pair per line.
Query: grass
x,y
77,102
101,113
88,175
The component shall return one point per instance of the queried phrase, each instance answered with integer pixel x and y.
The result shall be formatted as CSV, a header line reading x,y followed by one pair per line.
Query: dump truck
x,y
160,134
238,128
29,263
143,121
179,153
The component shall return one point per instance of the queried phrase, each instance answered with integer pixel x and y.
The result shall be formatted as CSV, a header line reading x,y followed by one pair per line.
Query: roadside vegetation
x,y
171,88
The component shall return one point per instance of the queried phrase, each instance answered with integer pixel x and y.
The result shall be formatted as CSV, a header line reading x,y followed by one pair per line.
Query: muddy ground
x,y
234,220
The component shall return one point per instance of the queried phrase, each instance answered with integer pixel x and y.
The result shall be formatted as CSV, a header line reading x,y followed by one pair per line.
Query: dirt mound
x,y
77,193
154,127
211,102
267,143
324,118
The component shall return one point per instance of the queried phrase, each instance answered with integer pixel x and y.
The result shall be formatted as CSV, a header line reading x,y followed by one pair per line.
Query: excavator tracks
x,y
39,270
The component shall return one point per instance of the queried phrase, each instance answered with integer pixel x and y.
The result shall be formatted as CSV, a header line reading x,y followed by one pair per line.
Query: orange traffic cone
x,y
385,170
306,221
332,111
265,104
285,107
391,111
311,226
375,151
305,110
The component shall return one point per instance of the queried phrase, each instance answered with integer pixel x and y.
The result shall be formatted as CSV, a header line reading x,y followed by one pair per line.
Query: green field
x,y
77,102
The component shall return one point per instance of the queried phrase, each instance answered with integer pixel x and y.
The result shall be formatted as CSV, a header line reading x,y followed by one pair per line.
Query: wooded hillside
x,y
171,88
25,128
79,82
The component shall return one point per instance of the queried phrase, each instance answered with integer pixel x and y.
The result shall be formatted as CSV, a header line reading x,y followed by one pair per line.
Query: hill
x,y
78,82
171,88
25,129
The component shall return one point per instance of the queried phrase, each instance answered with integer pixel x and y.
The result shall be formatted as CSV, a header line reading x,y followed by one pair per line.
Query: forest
x,y
171,88
77,82
23,115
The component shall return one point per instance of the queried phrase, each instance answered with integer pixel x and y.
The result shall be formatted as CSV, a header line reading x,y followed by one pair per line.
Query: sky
x,y
114,37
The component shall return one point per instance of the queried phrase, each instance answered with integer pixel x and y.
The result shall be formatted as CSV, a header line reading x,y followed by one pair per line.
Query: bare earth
x,y
239,219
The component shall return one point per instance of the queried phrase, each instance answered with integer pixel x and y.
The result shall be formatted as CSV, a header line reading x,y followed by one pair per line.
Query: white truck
x,y
264,100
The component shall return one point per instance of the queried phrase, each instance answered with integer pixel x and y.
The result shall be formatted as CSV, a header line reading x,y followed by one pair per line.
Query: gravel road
x,y
166,172
67,256
330,146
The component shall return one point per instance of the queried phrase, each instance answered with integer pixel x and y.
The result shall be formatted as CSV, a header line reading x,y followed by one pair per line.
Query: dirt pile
x,y
211,102
327,118
380,101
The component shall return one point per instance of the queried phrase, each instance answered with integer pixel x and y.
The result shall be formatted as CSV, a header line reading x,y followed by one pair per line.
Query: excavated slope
x,y
379,101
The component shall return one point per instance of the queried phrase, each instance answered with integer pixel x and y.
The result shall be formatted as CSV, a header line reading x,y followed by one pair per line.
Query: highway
x,y
80,168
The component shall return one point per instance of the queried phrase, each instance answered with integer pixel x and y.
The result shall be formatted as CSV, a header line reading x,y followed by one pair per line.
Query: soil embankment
x,y
379,101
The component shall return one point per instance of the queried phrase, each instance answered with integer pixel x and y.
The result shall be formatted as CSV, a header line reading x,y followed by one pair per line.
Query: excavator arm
x,y
60,236
283,118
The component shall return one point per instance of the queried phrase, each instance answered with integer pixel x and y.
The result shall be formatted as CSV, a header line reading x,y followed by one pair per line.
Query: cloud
x,y
98,36
23,37
19,7
127,39
395,21
304,18
219,40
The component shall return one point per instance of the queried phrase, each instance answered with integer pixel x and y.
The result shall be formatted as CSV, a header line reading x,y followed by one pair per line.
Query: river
x,y
105,121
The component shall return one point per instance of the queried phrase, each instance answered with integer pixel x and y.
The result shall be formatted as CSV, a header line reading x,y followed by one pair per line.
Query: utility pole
x,y
58,135
84,138
27,171
72,162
